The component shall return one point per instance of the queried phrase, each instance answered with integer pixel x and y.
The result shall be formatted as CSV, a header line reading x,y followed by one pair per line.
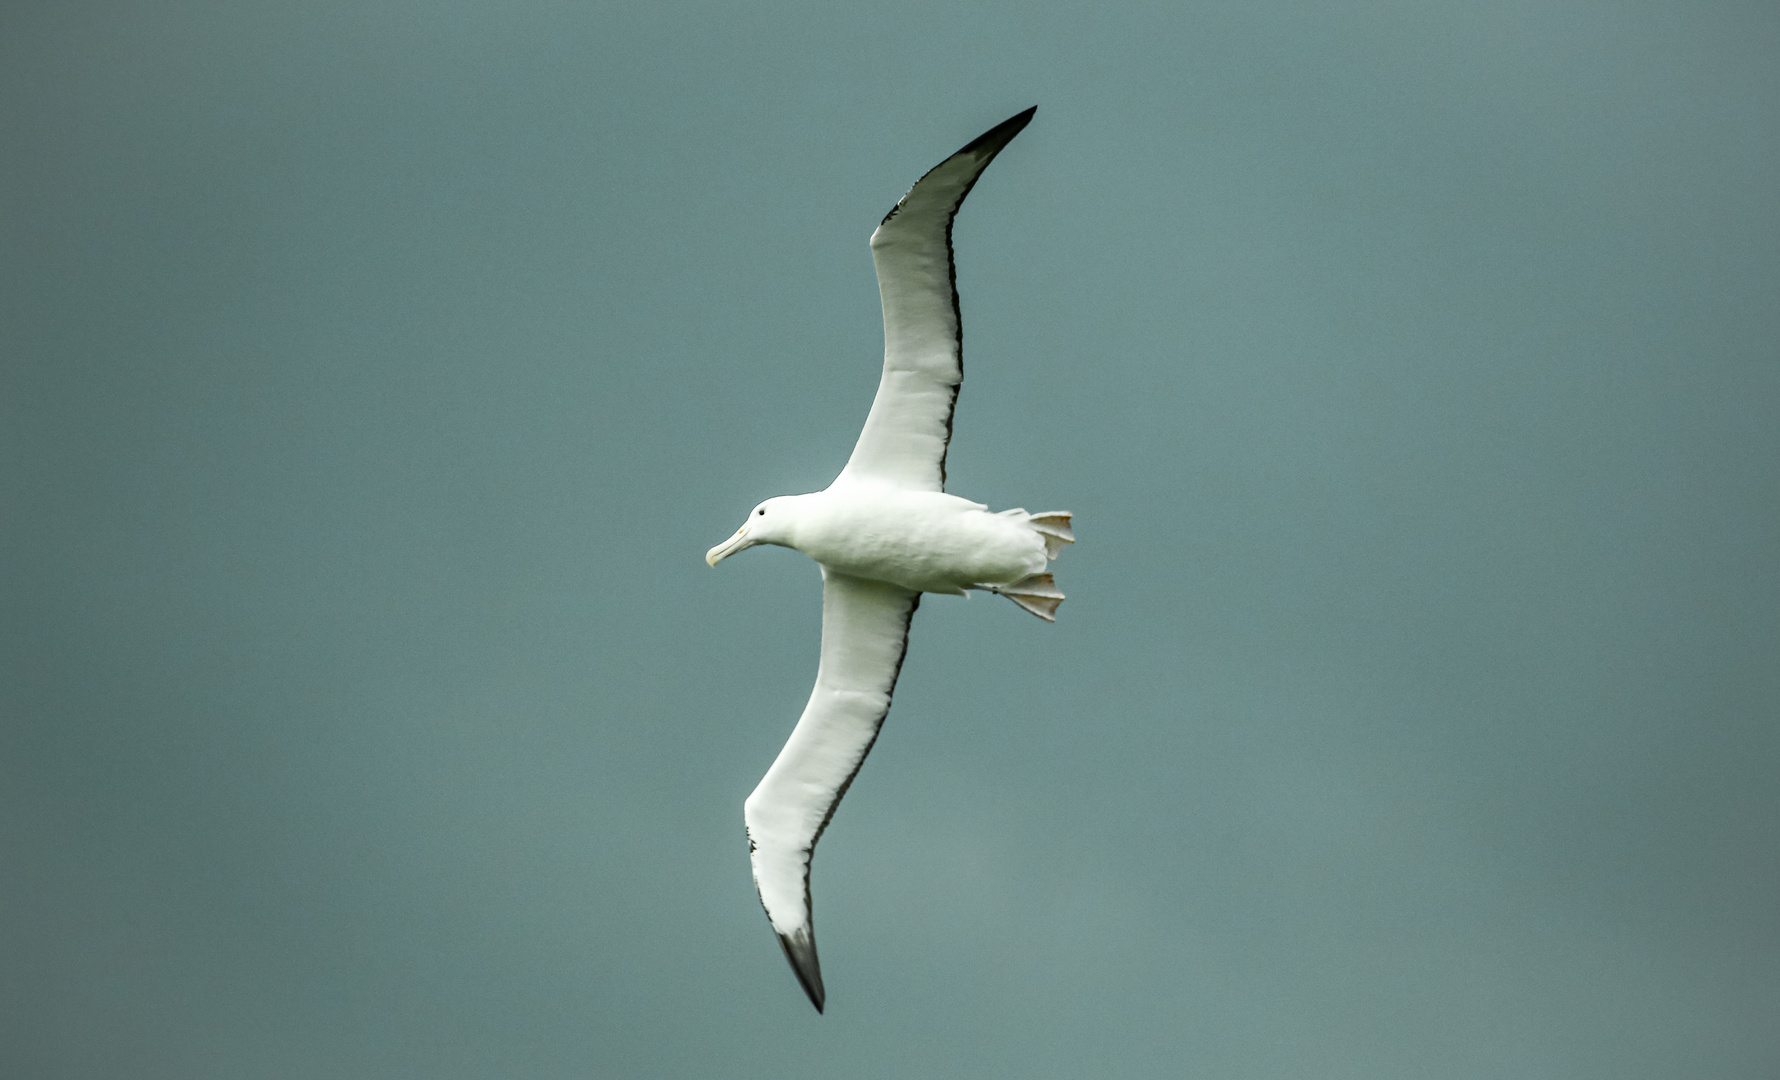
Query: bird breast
x,y
922,540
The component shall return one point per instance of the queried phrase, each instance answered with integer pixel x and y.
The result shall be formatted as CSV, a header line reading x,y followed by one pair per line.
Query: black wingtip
x,y
800,949
1001,134
984,146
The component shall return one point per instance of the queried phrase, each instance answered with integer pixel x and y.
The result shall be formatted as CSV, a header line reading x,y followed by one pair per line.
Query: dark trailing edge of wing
x,y
993,142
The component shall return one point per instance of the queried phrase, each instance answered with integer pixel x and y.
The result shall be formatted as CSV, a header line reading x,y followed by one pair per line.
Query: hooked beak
x,y
729,547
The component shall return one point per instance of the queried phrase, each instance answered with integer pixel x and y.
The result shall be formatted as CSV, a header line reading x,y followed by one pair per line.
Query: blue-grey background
x,y
375,373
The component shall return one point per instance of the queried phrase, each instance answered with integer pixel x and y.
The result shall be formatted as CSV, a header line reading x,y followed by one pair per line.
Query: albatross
x,y
883,533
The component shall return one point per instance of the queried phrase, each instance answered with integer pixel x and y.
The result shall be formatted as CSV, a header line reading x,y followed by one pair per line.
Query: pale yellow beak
x,y
729,547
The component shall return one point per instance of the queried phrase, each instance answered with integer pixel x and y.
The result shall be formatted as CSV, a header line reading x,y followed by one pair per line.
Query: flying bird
x,y
883,533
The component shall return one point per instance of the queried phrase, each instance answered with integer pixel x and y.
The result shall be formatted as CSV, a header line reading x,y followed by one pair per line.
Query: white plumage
x,y
884,533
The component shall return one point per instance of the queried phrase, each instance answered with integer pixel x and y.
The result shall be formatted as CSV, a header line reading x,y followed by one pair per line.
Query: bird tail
x,y
1054,527
1037,593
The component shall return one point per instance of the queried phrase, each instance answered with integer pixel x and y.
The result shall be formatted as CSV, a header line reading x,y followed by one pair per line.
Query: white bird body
x,y
924,541
884,533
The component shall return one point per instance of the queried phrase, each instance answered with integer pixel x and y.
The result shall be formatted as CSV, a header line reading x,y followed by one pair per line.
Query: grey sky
x,y
374,375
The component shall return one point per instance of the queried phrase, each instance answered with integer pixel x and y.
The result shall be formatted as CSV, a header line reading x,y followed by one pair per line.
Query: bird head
x,y
768,523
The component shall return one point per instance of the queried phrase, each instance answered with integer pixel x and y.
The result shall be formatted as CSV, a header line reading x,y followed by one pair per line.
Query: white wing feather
x,y
865,627
905,436
865,623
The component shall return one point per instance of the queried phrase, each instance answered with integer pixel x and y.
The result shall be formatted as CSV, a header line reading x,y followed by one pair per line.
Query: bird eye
x,y
761,512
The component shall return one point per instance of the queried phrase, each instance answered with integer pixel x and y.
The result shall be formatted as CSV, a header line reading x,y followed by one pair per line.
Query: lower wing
x,y
865,629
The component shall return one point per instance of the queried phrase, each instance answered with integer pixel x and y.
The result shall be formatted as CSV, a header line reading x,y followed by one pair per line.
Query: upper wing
x,y
905,437
865,631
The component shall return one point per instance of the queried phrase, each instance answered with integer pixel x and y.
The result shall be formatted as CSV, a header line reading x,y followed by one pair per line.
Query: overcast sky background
x,y
374,375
